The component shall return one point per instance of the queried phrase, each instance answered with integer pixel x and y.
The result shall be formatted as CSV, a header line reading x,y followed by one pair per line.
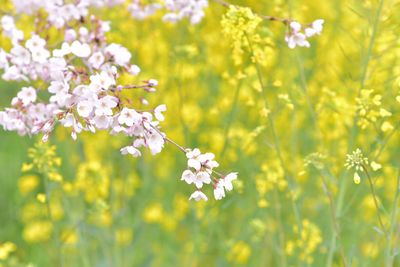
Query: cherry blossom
x,y
80,49
297,38
219,192
80,75
198,195
201,171
27,95
316,28
176,10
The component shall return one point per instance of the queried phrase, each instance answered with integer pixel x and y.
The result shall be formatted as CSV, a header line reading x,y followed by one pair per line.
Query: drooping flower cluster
x,y
84,95
176,10
79,86
61,12
200,171
295,36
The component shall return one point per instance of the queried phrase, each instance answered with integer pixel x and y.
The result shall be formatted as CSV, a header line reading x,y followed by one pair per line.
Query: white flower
x,y
130,150
297,39
3,59
228,180
200,178
193,153
84,108
7,23
195,164
58,87
96,60
120,54
40,55
35,43
105,105
134,70
198,195
20,55
65,50
129,117
295,26
27,95
155,142
101,81
158,112
61,98
80,49
316,28
102,122
153,82
188,176
70,35
68,120
219,191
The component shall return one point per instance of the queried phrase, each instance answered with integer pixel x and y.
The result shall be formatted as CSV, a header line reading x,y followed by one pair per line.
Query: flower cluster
x,y
61,12
200,171
78,78
295,37
356,160
239,24
176,10
84,95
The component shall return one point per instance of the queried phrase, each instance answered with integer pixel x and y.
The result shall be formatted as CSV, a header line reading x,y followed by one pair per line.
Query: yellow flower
x,y
41,198
69,236
356,178
239,253
28,183
37,231
153,213
5,250
123,236
386,126
26,167
375,166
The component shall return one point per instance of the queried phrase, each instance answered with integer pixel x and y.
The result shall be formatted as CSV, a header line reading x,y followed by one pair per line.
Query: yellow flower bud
x,y
356,178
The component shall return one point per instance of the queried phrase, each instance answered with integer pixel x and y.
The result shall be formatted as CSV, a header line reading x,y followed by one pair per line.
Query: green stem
x,y
388,252
281,230
275,137
230,119
55,234
374,195
335,224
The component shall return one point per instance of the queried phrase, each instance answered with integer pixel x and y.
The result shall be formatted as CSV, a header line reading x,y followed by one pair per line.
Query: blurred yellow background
x,y
284,119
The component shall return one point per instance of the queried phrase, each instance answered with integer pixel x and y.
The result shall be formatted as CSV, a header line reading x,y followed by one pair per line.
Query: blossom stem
x,y
218,173
119,88
170,140
175,144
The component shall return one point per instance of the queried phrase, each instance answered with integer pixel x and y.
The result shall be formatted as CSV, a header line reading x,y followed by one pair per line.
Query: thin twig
x,y
169,140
